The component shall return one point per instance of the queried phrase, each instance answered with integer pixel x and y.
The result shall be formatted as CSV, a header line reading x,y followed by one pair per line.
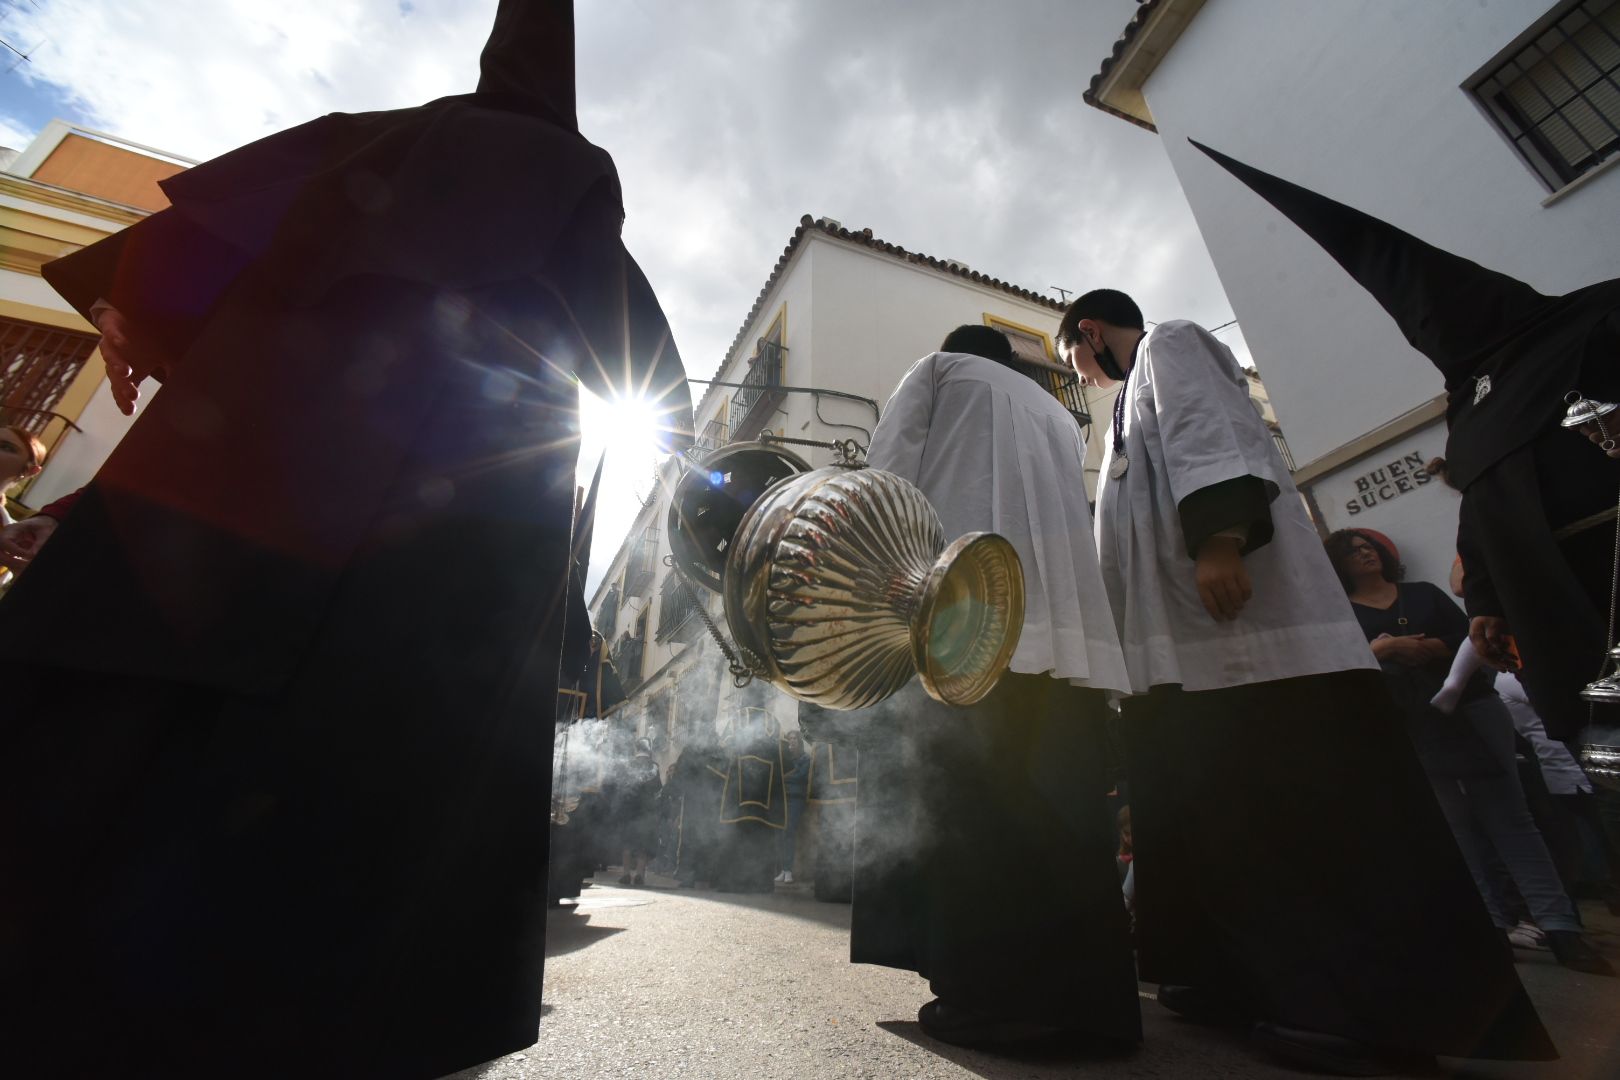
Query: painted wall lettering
x,y
1389,481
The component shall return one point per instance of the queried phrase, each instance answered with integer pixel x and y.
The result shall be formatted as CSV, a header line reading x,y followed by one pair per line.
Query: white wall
x,y
876,316
1360,100
1416,511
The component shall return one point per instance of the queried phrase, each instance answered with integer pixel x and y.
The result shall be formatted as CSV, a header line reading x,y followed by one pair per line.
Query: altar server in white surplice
x,y
955,803
1293,871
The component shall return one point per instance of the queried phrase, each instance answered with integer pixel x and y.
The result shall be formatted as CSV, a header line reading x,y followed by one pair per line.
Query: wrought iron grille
x,y
1558,97
1282,449
37,365
677,611
641,564
759,394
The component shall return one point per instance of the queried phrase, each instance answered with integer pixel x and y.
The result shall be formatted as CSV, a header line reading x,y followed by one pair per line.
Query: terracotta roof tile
x,y
1144,11
864,237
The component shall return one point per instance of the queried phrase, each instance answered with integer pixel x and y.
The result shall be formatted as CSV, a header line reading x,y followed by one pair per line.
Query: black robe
x,y
753,805
278,747
956,807
698,781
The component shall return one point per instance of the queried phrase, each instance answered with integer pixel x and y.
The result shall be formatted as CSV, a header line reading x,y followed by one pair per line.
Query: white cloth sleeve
x,y
901,436
1209,428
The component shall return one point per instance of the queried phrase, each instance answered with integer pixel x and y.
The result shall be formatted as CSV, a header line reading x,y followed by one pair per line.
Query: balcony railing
x,y
1066,388
714,436
627,654
608,622
677,612
1282,448
641,566
761,392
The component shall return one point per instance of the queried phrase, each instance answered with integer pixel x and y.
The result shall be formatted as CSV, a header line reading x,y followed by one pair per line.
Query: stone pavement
x,y
654,982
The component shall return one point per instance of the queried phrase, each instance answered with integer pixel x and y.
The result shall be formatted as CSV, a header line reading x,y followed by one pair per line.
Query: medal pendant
x,y
1117,468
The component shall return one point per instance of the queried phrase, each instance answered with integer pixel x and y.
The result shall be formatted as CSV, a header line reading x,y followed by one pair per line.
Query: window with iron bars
x,y
750,405
1557,96
37,365
1065,386
677,610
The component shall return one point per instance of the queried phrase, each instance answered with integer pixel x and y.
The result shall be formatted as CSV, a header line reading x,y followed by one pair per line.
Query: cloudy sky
x,y
952,127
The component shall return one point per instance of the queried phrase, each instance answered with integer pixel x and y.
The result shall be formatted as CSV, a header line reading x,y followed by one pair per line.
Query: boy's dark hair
x,y
977,339
1105,305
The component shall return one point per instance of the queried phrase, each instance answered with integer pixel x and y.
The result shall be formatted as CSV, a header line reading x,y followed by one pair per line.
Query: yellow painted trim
x,y
778,326
770,785
62,320
51,195
1046,339
810,783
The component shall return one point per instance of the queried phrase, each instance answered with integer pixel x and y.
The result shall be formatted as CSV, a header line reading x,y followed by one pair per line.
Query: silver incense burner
x,y
1600,747
837,584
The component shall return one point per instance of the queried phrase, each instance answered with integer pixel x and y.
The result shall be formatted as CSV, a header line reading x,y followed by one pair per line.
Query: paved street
x,y
652,982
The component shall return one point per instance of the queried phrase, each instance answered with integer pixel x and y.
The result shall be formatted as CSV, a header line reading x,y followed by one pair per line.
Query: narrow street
x,y
654,982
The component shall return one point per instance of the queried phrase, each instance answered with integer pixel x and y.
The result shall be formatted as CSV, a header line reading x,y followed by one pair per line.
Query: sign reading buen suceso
x,y
1392,490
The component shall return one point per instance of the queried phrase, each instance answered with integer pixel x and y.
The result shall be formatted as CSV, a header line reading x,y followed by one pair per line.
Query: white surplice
x,y
1189,423
995,452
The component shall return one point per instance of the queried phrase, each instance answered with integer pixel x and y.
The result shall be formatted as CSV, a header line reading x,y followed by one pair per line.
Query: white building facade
x,y
1488,129
843,316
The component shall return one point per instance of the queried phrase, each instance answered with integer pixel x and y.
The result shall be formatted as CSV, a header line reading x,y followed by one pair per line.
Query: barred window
x,y
1556,96
37,365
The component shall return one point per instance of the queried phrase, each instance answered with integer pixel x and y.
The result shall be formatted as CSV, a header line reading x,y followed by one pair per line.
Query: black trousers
x,y
984,854
1289,854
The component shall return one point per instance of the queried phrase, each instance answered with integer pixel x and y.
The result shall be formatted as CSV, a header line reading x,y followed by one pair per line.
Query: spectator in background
x,y
697,779
21,457
795,782
637,813
1414,629
669,823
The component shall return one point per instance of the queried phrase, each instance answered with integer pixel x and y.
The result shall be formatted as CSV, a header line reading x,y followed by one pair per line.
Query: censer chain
x,y
743,669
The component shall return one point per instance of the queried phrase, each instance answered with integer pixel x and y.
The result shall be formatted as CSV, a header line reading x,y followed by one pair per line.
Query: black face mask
x,y
1110,366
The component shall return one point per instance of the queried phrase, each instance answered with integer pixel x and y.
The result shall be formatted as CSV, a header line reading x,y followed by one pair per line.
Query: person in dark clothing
x,y
280,686
831,789
1353,939
1536,529
698,781
795,786
1414,628
753,812
955,802
636,813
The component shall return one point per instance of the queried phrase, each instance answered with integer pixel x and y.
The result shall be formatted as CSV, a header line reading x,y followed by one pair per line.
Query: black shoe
x,y
1333,1054
1202,1007
963,1026
1576,953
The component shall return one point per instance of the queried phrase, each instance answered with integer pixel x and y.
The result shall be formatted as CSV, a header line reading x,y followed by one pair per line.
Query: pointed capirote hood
x,y
528,63
1509,354
1450,309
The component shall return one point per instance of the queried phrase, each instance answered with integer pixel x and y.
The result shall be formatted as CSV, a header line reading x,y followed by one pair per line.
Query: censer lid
x,y
710,500
1583,410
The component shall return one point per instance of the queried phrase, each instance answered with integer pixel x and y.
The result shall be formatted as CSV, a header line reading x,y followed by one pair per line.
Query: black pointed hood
x,y
1508,353
528,63
1450,309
